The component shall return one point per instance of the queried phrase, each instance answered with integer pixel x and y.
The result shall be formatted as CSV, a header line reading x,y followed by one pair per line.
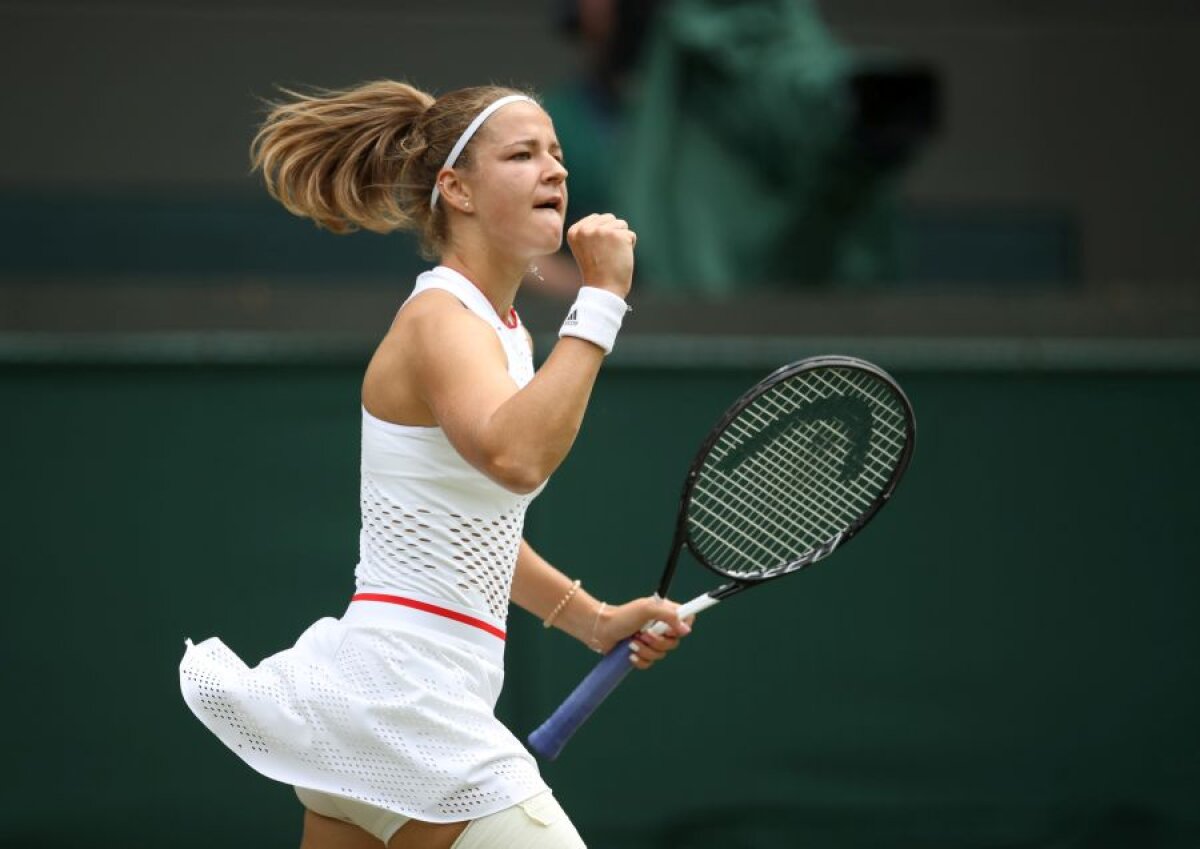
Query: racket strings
x,y
885,402
885,467
770,489
781,490
774,492
821,470
761,565
779,551
820,466
774,497
785,498
877,464
723,494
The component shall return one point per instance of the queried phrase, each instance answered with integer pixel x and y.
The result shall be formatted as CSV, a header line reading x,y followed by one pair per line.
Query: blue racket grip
x,y
552,735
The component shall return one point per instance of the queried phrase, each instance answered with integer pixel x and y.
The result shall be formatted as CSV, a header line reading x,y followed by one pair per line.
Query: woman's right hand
x,y
603,249
631,618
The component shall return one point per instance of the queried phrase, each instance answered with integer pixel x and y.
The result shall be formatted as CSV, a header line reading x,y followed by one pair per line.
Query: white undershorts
x,y
537,823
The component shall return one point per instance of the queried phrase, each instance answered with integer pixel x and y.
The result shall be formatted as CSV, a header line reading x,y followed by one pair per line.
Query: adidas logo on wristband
x,y
595,316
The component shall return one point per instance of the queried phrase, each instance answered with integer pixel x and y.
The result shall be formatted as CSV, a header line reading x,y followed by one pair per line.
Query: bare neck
x,y
497,275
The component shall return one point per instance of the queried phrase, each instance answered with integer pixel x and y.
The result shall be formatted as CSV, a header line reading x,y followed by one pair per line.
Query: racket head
x,y
795,468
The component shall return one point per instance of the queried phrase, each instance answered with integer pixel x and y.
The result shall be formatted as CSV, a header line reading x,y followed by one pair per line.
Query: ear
x,y
453,191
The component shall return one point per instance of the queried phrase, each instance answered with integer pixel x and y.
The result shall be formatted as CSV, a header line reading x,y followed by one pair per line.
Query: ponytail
x,y
334,157
367,157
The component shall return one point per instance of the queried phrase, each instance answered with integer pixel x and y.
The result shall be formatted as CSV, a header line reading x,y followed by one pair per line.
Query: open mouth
x,y
554,204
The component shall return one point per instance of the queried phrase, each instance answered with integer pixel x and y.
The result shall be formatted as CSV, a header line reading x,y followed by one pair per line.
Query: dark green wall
x,y
1008,657
187,236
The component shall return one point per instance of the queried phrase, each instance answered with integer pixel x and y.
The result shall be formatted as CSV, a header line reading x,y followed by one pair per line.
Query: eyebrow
x,y
554,145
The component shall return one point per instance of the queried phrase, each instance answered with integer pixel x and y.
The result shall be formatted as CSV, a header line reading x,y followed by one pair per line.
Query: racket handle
x,y
690,608
550,737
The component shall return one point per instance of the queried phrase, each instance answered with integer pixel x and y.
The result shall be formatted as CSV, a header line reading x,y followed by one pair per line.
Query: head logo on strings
x,y
819,427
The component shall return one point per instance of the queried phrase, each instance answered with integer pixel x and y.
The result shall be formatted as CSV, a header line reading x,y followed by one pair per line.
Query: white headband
x,y
470,131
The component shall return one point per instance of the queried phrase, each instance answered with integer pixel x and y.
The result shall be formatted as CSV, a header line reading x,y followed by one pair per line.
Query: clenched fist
x,y
603,249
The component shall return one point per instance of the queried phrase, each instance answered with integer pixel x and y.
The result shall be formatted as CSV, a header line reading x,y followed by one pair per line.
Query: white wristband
x,y
595,316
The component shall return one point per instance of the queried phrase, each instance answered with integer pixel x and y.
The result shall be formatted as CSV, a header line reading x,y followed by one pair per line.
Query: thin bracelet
x,y
554,613
593,643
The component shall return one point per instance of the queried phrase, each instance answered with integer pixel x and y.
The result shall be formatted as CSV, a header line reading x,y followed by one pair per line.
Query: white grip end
x,y
690,608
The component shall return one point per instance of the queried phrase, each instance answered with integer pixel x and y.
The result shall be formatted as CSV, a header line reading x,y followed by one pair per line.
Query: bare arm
x,y
538,587
516,437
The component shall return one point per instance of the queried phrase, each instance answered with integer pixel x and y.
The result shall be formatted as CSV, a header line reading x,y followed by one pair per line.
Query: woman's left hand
x,y
646,648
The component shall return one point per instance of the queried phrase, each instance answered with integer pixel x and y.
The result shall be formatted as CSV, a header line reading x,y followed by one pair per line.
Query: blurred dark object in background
x,y
612,31
1037,201
590,113
896,108
748,147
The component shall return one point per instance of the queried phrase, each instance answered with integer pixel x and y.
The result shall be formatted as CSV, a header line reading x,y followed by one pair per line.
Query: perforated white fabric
x,y
412,539
391,706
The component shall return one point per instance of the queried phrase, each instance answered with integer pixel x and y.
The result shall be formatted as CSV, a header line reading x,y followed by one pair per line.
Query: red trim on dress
x,y
431,608
512,321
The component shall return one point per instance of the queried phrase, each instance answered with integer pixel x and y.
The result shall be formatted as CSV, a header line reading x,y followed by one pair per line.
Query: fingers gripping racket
x,y
793,470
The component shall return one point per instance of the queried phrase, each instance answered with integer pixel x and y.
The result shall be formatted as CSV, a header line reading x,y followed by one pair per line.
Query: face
x,y
516,181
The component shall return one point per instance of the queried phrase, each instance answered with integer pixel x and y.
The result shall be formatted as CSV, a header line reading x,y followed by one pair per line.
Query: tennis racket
x,y
792,471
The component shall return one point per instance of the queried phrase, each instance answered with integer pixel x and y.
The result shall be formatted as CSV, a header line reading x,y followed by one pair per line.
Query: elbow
x,y
522,465
525,485
521,478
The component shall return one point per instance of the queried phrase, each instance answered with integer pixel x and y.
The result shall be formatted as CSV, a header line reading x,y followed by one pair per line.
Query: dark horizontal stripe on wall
x,y
946,355
188,236
998,245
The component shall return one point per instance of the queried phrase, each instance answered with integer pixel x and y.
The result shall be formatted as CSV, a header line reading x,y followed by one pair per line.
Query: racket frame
x,y
549,739
683,539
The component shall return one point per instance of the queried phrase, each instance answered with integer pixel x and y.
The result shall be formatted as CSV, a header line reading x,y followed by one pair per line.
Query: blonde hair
x,y
367,157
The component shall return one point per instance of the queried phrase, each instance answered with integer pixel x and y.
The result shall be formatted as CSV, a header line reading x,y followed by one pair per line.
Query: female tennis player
x,y
383,719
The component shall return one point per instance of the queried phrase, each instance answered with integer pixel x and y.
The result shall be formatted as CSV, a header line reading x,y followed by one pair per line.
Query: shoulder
x,y
434,344
436,311
435,322
432,302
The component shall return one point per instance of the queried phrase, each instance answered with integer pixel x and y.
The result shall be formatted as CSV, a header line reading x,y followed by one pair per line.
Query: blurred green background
x,y
1007,657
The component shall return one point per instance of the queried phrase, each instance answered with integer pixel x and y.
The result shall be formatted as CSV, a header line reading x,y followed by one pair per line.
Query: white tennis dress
x,y
393,703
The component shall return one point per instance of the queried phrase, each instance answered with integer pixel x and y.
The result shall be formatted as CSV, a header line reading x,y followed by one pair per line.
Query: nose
x,y
557,172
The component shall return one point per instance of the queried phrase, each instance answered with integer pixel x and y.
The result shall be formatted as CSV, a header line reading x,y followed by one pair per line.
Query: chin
x,y
536,241
545,247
